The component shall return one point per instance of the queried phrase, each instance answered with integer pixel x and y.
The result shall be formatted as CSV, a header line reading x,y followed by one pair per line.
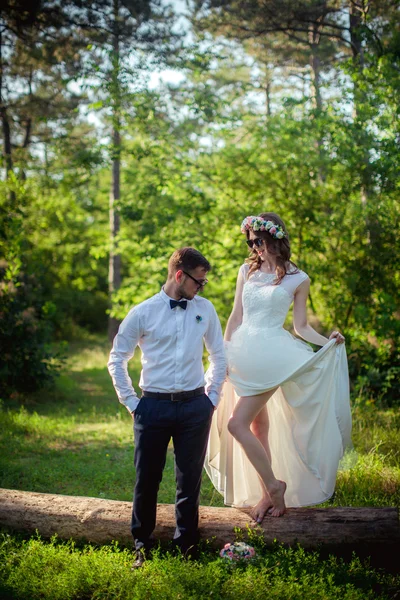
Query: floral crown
x,y
258,224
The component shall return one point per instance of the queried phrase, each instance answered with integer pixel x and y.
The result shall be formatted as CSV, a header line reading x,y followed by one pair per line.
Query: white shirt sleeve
x,y
216,372
122,351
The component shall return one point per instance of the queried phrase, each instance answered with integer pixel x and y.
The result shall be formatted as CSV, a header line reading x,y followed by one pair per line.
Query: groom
x,y
170,329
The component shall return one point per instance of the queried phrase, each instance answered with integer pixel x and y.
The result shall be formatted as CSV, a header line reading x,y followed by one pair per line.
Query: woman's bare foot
x,y
277,498
259,511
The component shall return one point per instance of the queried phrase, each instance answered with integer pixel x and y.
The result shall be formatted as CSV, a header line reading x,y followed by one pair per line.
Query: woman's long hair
x,y
280,248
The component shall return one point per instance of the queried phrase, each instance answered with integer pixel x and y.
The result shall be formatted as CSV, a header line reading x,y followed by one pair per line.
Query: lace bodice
x,y
266,305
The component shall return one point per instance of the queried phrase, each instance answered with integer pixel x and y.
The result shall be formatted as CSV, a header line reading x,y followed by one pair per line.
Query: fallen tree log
x,y
101,521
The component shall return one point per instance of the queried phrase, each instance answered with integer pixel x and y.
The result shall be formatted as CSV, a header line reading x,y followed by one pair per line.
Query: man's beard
x,y
181,292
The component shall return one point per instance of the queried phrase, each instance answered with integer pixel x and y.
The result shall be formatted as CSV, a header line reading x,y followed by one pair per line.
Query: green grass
x,y
33,569
77,439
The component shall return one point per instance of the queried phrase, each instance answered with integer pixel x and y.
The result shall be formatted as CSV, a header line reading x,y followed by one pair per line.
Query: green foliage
x,y
28,362
45,292
32,569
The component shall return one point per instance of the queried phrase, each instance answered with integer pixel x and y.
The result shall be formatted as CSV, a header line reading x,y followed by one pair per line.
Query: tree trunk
x,y
8,163
267,88
314,37
7,149
114,270
101,521
355,21
356,18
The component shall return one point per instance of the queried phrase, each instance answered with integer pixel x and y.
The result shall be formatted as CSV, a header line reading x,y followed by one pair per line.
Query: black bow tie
x,y
181,303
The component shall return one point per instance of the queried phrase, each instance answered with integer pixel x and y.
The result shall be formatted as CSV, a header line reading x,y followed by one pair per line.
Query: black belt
x,y
174,396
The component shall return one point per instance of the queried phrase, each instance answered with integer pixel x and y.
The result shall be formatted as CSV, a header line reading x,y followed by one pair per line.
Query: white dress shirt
x,y
171,341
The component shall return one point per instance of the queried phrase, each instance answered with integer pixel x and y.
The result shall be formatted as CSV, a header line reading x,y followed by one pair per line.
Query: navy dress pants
x,y
155,423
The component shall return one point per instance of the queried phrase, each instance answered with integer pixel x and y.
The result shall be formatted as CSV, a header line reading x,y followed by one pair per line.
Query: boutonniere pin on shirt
x,y
199,318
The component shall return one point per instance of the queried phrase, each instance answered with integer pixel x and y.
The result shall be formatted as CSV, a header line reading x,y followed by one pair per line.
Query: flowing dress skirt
x,y
310,428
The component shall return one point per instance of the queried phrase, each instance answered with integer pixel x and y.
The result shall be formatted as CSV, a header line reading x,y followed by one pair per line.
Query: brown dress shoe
x,y
139,560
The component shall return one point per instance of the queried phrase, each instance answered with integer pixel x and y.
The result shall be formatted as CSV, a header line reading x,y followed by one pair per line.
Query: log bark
x,y
100,521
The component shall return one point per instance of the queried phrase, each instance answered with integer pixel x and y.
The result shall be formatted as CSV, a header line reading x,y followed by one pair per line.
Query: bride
x,y
284,420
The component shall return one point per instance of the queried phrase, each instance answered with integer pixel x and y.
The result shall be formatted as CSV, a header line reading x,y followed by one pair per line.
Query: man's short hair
x,y
187,259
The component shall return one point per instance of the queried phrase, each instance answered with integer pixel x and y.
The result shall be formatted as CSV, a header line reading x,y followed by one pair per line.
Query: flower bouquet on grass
x,y
237,552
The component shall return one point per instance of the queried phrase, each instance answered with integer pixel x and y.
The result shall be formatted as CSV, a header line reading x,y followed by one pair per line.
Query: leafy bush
x,y
35,569
374,369
28,361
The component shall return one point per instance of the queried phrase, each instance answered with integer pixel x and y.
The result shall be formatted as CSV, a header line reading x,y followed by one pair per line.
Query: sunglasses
x,y
200,282
257,242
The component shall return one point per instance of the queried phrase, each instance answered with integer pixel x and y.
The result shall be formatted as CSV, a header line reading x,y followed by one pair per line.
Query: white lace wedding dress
x,y
310,420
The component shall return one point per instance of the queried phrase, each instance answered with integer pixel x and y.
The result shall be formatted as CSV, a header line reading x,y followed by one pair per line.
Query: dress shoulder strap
x,y
300,277
292,281
244,271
